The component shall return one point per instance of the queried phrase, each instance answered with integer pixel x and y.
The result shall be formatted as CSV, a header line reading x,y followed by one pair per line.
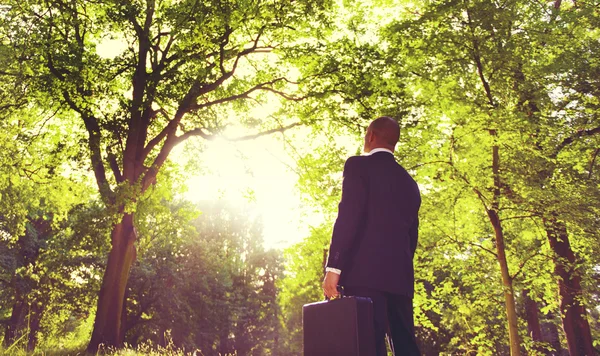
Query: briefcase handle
x,y
340,290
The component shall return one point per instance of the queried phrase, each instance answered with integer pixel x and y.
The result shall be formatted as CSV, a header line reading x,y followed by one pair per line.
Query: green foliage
x,y
207,281
301,285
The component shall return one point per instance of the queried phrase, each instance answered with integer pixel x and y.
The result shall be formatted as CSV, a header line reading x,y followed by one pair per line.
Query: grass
x,y
74,348
75,343
127,351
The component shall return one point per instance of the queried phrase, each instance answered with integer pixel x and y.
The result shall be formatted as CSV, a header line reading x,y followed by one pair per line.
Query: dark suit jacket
x,y
375,234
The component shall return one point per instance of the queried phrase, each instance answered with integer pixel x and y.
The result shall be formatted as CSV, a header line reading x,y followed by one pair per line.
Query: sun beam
x,y
255,174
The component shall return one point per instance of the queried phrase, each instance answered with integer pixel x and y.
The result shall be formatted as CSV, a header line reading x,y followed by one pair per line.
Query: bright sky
x,y
255,174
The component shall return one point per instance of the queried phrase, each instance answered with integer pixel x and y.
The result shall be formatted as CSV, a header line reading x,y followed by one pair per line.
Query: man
x,y
375,237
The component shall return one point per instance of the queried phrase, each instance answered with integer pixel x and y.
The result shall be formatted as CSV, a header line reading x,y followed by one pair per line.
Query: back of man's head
x,y
386,130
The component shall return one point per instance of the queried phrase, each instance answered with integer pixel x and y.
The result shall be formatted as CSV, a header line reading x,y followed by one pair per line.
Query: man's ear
x,y
370,136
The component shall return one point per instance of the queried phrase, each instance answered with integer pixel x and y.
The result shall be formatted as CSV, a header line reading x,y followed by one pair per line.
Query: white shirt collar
x,y
375,150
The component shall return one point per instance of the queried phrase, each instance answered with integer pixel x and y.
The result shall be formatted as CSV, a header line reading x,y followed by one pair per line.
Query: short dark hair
x,y
387,129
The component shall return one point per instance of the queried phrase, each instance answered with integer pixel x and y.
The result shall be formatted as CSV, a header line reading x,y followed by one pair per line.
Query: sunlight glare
x,y
255,174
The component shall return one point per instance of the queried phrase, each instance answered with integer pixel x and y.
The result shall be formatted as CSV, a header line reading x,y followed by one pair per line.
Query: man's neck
x,y
379,149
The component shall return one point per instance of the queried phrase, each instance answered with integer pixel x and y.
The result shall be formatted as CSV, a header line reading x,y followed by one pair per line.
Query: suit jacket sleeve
x,y
351,211
413,234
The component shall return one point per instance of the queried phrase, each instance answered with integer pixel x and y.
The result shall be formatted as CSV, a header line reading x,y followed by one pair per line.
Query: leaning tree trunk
x,y
109,326
572,310
509,296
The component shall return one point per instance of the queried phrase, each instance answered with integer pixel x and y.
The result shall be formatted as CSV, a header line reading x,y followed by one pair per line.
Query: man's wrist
x,y
333,270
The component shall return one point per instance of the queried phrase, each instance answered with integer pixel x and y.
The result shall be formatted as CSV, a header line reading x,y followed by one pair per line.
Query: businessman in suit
x,y
375,237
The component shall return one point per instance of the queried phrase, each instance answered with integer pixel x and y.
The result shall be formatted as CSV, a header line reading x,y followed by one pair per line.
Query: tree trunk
x,y
507,287
26,314
224,343
16,321
550,332
24,320
109,326
509,296
35,318
533,321
572,310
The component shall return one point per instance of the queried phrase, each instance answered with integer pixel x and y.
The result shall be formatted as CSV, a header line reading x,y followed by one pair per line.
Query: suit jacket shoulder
x,y
355,161
355,165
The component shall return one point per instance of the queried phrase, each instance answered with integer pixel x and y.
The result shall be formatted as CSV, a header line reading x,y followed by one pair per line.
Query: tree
x,y
185,64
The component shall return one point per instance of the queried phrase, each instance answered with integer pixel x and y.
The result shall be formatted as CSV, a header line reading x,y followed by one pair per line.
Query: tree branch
x,y
200,132
567,141
245,95
461,176
557,4
284,95
60,76
479,64
16,75
149,16
94,145
522,264
198,88
456,241
426,163
15,106
224,42
137,128
520,217
112,159
483,248
158,138
227,74
593,162
187,56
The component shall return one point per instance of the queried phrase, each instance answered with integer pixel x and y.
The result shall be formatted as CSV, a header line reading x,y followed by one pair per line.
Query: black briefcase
x,y
341,327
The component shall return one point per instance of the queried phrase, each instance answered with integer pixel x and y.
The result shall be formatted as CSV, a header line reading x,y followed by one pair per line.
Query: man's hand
x,y
330,285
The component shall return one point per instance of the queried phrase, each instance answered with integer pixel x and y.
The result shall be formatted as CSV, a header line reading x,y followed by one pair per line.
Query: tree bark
x,y
533,321
109,326
572,310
